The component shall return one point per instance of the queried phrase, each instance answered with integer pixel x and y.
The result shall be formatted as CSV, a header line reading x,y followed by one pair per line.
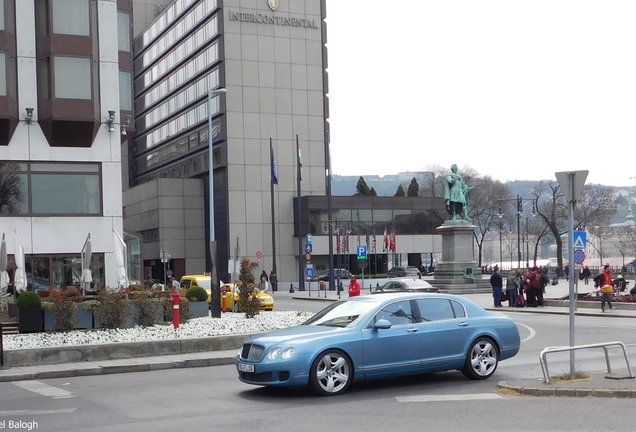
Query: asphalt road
x,y
212,399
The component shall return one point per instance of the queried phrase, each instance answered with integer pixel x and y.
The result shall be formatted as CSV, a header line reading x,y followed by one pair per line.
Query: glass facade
x,y
46,272
123,31
3,74
125,90
1,15
50,189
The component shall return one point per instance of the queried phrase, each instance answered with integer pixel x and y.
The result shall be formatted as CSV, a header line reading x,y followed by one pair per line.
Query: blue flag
x,y
274,171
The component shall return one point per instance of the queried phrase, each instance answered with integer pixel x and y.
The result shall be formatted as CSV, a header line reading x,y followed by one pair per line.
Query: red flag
x,y
392,245
373,241
385,246
338,241
358,239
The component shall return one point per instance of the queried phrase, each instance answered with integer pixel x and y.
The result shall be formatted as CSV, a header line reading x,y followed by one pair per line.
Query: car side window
x,y
185,284
398,313
459,310
435,309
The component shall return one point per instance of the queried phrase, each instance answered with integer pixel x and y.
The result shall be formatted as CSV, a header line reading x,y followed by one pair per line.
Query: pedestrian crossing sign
x,y
580,240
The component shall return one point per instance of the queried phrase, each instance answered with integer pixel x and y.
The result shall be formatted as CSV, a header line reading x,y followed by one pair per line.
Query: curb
x,y
75,370
566,392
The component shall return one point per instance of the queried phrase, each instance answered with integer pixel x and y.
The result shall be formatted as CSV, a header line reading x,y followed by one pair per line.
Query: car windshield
x,y
342,314
204,283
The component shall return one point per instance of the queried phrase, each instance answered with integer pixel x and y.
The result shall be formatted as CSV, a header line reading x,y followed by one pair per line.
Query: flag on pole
x,y
338,241
367,240
385,246
300,161
274,171
392,244
358,239
345,241
373,241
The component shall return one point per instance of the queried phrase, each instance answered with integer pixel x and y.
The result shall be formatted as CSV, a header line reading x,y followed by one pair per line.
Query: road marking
x,y
449,398
44,389
533,333
4,414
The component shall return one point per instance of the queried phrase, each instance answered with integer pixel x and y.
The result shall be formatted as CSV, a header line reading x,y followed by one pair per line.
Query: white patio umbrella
x,y
4,261
19,278
120,257
87,276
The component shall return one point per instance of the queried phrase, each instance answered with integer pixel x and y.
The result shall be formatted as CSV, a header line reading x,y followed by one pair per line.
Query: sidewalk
x,y
597,385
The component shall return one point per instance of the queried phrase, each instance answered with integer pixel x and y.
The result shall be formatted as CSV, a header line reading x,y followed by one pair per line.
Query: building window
x,y
72,77
61,271
44,88
1,14
125,90
123,31
50,189
3,74
71,17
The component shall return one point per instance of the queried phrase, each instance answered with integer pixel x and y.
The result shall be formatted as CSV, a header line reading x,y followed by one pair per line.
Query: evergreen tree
x,y
362,188
400,191
372,192
414,189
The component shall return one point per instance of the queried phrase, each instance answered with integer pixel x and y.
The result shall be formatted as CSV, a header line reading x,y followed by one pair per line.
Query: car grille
x,y
252,352
254,377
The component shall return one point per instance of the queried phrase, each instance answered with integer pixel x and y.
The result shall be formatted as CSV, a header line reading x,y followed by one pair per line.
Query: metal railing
x,y
604,345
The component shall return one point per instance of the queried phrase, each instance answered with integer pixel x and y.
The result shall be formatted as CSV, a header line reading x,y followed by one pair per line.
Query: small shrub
x,y
29,299
146,306
91,305
184,310
112,310
197,294
64,309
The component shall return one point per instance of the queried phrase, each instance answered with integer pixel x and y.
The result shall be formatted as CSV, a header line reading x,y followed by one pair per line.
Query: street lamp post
x,y
527,245
215,309
520,204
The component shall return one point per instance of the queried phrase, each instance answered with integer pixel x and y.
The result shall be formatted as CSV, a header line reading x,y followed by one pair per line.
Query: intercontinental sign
x,y
261,18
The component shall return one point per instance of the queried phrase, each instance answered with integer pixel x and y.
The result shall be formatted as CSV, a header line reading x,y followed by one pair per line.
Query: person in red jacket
x,y
354,287
606,288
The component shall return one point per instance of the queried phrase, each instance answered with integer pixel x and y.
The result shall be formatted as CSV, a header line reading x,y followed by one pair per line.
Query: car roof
x,y
199,276
415,283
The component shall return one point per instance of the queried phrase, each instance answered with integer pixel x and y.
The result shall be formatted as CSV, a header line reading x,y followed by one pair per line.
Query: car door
x,y
393,351
444,330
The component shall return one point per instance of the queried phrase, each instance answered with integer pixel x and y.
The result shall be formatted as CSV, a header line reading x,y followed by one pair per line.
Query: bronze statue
x,y
456,195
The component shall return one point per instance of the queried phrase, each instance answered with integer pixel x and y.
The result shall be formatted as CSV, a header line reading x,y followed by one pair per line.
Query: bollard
x,y
291,288
175,298
1,348
224,291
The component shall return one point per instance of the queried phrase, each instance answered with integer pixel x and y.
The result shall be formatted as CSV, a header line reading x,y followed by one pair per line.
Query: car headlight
x,y
277,352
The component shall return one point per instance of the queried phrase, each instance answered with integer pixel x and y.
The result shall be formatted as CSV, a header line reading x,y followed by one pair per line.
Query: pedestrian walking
x,y
586,274
496,283
607,287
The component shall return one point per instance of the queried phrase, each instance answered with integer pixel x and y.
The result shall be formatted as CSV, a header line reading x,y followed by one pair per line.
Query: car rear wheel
x,y
331,373
481,360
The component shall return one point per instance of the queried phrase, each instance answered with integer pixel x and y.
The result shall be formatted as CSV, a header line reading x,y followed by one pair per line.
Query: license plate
x,y
246,367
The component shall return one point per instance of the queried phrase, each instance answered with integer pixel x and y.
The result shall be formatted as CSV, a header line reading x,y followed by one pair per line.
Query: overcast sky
x,y
516,89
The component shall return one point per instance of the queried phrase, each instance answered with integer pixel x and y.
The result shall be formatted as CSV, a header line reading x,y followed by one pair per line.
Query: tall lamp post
x,y
520,204
215,307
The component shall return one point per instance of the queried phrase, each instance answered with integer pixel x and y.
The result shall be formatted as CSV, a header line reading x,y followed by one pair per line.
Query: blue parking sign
x,y
309,272
362,253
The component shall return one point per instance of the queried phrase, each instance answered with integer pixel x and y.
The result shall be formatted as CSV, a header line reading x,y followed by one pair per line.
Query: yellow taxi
x,y
231,297
203,281
266,301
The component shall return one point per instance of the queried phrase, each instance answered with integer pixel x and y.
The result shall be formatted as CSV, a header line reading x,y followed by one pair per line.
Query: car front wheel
x,y
331,373
481,360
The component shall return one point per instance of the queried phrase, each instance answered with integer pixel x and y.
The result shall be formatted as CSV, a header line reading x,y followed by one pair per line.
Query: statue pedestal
x,y
457,272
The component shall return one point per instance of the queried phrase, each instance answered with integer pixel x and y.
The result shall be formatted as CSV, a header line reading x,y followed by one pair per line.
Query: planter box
x,y
200,309
30,320
83,317
130,320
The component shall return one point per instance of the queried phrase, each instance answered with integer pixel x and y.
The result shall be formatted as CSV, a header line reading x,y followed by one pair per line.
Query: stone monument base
x,y
457,272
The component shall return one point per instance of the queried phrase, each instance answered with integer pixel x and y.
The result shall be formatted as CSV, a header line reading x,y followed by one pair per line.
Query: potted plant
x,y
30,314
198,298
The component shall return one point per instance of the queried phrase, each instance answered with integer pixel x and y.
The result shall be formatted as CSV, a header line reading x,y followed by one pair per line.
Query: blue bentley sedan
x,y
380,336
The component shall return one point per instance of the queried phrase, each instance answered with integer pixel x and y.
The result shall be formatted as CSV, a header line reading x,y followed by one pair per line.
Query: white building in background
x,y
65,102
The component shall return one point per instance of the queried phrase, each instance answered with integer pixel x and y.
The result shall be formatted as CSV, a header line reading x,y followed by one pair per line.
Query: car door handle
x,y
463,324
412,330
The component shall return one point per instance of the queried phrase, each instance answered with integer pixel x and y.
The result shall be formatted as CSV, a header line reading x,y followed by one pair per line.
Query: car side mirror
x,y
382,324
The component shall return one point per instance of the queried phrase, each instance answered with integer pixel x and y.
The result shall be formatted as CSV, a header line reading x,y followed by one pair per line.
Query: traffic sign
x,y
309,272
308,248
259,255
580,240
309,239
362,253
308,256
578,256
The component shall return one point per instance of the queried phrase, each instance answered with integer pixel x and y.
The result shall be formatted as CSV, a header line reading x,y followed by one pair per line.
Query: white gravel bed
x,y
228,324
